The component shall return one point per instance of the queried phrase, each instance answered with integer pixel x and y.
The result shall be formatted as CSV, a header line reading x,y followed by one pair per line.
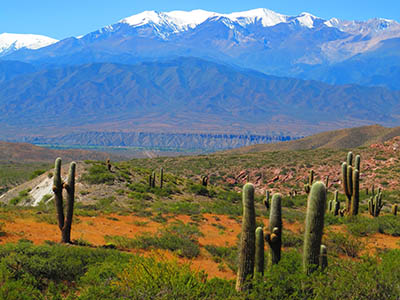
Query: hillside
x,y
337,139
184,228
184,95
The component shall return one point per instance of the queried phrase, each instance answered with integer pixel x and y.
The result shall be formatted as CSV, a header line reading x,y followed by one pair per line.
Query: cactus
x,y
150,180
259,256
108,163
314,227
153,179
247,239
204,180
351,183
161,177
274,238
308,185
323,257
267,200
64,222
375,204
336,204
327,181
394,209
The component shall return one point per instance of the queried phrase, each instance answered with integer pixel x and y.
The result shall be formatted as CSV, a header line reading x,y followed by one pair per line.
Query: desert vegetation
x,y
207,227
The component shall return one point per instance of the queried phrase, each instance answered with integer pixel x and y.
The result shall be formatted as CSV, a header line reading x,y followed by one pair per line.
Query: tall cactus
x,y
351,183
247,239
161,178
153,179
259,256
64,223
274,238
314,227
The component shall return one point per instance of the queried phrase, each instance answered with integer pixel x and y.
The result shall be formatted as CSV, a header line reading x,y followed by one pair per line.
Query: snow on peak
x,y
265,16
14,41
178,21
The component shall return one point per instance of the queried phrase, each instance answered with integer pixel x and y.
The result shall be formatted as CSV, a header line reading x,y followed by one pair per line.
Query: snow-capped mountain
x,y
303,46
178,21
10,42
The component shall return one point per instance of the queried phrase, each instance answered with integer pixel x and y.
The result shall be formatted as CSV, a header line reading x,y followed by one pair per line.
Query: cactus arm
x,y
356,193
259,256
275,228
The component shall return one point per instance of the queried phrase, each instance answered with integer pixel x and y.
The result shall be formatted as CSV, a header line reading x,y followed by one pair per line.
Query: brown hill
x,y
337,139
24,152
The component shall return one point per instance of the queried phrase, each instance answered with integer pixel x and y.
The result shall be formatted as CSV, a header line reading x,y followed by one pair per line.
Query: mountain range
x,y
304,46
193,76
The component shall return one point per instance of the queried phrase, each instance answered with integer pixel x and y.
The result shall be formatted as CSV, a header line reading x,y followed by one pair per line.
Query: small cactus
x,y
375,204
274,238
267,200
394,209
259,256
247,238
314,227
308,185
161,178
108,163
204,180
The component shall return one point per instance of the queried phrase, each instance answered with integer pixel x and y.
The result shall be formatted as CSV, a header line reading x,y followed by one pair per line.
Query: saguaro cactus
x,y
375,204
204,180
64,223
274,238
161,177
153,179
267,200
308,185
259,258
247,239
314,227
351,183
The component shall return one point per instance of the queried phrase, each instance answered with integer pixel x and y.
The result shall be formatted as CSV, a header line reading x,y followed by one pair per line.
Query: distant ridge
x,y
337,139
24,152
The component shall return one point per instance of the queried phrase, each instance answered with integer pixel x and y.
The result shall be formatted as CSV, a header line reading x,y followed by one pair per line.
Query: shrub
x,y
98,174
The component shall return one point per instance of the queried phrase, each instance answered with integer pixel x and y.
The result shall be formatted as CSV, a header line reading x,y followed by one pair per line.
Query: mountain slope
x,y
337,139
184,95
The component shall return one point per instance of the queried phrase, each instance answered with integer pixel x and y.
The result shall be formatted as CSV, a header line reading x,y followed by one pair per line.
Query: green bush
x,y
98,174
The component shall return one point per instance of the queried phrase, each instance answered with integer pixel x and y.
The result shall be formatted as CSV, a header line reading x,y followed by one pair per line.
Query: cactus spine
x,y
259,258
274,238
351,183
247,239
161,177
314,227
64,223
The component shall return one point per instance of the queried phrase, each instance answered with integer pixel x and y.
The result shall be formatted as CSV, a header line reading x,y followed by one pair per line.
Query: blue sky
x,y
61,19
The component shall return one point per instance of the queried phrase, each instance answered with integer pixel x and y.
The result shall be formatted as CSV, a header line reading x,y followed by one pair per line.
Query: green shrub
x,y
98,174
